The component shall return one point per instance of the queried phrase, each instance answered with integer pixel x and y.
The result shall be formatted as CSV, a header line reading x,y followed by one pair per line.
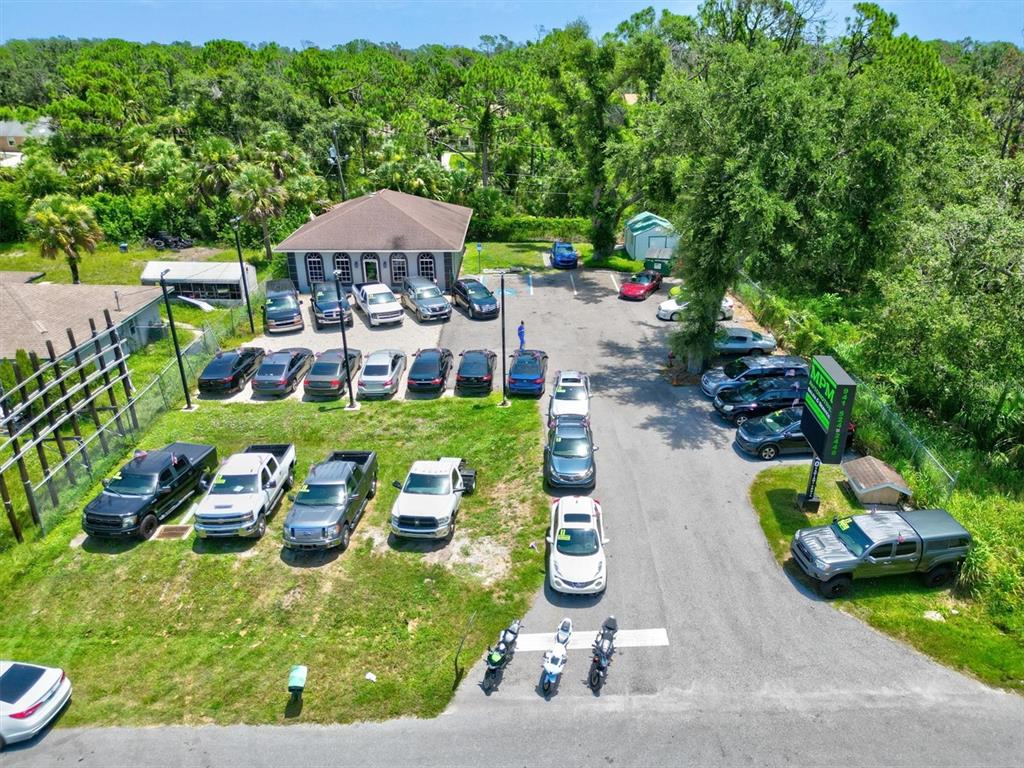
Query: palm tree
x,y
257,197
215,161
61,224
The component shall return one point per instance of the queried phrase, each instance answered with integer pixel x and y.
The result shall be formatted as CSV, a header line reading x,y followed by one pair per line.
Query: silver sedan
x,y
382,373
735,340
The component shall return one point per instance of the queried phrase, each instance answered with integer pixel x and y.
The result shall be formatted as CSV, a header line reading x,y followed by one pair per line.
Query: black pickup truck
x,y
331,501
148,489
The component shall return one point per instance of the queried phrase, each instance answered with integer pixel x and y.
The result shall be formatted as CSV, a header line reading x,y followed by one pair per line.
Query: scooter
x,y
604,649
500,655
555,659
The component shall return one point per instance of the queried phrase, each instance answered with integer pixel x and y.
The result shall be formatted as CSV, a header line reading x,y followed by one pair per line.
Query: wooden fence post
x,y
34,359
20,460
44,462
71,412
9,508
122,368
107,386
89,401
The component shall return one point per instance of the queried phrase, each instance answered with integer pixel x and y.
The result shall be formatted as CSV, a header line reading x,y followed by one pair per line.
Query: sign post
x,y
479,250
828,405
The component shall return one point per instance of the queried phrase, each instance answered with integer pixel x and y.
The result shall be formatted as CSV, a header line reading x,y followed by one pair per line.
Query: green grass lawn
x,y
191,632
618,261
969,639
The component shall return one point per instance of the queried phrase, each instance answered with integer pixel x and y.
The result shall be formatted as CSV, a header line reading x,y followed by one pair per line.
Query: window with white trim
x,y
426,265
314,268
399,268
343,263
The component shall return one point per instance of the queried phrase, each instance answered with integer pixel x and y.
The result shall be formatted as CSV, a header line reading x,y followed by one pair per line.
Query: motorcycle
x,y
500,655
604,649
555,659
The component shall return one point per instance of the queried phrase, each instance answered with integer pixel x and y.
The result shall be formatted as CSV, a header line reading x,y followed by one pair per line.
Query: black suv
x,y
760,397
430,369
281,311
751,368
326,308
474,296
230,371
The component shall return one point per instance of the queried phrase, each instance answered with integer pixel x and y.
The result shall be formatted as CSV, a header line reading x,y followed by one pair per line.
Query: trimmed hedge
x,y
511,229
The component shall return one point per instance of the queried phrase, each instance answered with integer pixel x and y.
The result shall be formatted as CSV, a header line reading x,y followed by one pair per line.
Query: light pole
x,y
504,377
174,338
344,342
235,222
337,158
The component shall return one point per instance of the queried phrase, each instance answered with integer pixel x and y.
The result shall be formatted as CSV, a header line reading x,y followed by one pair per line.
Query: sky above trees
x,y
409,23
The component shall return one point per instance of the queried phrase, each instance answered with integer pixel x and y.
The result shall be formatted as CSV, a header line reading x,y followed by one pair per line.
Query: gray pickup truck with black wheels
x,y
331,501
884,543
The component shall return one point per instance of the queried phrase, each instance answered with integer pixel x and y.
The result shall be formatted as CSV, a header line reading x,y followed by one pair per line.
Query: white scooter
x,y
555,659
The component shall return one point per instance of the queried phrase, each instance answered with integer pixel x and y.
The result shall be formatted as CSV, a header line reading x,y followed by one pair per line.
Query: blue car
x,y
528,372
564,255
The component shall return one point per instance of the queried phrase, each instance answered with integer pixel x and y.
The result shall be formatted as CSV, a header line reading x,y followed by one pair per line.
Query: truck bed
x,y
356,457
194,452
277,450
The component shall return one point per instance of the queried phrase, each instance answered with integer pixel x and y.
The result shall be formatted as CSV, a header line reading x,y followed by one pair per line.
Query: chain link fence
x,y
879,428
103,448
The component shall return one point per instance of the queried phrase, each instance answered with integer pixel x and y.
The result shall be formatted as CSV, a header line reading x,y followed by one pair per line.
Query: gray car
x,y
569,454
382,373
327,376
736,340
424,299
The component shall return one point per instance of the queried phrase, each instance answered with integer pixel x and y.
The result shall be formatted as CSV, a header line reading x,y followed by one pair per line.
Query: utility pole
x,y
174,337
235,222
344,341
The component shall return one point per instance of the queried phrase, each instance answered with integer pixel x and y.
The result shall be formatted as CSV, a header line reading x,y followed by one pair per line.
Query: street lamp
x,y
344,342
174,337
501,307
336,158
235,222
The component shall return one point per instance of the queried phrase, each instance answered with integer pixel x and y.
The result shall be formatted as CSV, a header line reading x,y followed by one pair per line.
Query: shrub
x,y
528,228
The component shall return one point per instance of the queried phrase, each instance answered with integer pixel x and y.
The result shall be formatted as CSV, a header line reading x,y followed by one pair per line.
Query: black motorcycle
x,y
500,655
604,649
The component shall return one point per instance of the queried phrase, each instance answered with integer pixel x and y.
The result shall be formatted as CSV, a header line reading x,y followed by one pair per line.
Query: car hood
x,y
755,431
715,376
576,568
823,544
435,301
569,407
422,505
223,505
631,288
112,504
566,466
671,305
486,301
313,515
387,306
283,314
732,397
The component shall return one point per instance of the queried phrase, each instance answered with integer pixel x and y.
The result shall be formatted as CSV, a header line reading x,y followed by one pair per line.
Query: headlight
x,y
557,569
600,567
726,408
443,521
129,521
821,565
332,530
394,520
478,307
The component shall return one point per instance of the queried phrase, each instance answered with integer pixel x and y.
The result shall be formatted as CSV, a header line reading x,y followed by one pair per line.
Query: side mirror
x,y
460,490
605,541
272,484
164,489
291,497
396,484
549,540
105,481
204,484
596,448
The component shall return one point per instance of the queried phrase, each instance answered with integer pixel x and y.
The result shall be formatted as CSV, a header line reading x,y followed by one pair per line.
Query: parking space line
x,y
529,281
188,515
614,281
571,280
582,640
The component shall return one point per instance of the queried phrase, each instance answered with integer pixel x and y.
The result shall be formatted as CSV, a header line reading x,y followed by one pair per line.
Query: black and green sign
x,y
828,406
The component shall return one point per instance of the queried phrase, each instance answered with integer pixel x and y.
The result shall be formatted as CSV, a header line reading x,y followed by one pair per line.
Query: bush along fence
x,y
880,430
69,420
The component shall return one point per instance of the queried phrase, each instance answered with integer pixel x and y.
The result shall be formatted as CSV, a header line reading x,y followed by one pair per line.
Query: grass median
x,y
205,632
956,631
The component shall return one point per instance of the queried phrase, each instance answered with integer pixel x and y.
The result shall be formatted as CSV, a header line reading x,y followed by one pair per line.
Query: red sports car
x,y
641,285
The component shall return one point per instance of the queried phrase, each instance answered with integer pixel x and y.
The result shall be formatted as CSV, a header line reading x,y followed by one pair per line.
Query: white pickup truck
x,y
245,492
378,303
429,500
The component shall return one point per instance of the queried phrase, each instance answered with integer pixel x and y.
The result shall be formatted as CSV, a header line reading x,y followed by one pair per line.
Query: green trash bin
x,y
660,266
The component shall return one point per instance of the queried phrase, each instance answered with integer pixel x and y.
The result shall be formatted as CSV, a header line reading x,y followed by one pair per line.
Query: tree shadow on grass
x,y
309,558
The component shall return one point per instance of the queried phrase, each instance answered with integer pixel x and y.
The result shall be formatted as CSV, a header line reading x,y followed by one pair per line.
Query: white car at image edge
x,y
672,309
30,697
576,541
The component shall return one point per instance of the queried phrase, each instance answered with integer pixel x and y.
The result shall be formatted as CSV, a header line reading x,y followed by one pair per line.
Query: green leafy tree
x,y
63,226
257,196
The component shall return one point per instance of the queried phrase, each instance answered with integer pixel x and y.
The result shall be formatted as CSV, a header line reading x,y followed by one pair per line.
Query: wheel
x,y
290,480
451,531
351,322
316,323
740,420
261,526
768,453
674,316
938,575
488,680
837,586
595,678
546,686
373,488
148,527
346,535
471,313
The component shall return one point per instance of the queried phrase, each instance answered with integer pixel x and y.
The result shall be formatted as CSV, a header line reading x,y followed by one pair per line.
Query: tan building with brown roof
x,y
384,236
35,313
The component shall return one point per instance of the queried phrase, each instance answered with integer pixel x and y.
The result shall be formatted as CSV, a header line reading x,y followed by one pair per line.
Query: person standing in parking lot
x,y
522,334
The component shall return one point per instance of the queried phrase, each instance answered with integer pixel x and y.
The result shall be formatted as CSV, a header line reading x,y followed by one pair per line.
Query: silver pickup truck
x,y
926,541
331,501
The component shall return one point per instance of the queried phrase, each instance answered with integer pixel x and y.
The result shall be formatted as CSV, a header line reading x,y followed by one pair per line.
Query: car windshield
x,y
756,336
735,369
577,542
281,302
478,292
230,484
778,421
641,279
526,365
563,247
574,392
376,370
321,494
429,485
853,538
428,293
571,447
325,368
381,298
271,369
750,392
132,485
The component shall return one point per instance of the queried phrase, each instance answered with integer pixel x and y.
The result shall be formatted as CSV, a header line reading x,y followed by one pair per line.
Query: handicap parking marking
x,y
614,281
583,640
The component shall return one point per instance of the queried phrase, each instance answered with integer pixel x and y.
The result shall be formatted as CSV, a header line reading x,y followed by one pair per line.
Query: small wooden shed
x,y
875,482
